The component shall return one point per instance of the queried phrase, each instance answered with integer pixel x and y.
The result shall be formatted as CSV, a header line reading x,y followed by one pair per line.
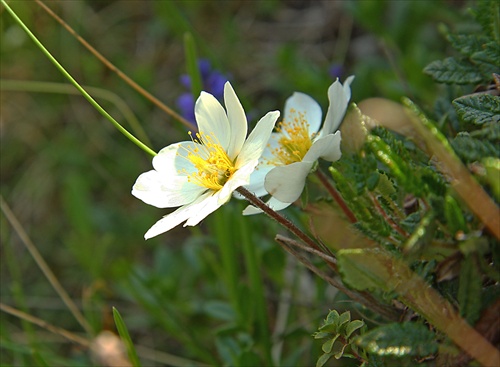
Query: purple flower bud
x,y
336,71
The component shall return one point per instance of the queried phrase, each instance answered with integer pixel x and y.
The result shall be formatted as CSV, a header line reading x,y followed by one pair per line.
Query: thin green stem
x,y
253,267
221,222
64,88
113,68
75,83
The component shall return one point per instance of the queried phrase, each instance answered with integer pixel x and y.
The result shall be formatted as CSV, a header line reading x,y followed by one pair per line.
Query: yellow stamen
x,y
295,139
211,160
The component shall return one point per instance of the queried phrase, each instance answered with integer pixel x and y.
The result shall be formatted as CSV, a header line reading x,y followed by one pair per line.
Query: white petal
x,y
257,140
256,184
177,217
302,103
208,206
327,147
339,96
237,121
287,182
273,203
172,159
240,178
212,119
162,191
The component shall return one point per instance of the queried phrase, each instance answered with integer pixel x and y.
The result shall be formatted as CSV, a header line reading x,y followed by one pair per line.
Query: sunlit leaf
x,y
399,340
478,109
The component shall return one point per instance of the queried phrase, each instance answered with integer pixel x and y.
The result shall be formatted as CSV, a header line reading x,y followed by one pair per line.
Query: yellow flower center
x,y
295,139
211,160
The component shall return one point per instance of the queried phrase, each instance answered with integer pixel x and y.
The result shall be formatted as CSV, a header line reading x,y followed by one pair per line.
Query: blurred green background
x,y
67,173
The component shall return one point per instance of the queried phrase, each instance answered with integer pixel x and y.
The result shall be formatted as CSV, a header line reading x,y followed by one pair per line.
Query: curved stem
x,y
336,196
113,68
75,83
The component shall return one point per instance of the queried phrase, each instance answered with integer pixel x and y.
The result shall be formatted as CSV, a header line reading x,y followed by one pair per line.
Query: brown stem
x,y
113,68
336,196
44,324
388,219
255,201
363,298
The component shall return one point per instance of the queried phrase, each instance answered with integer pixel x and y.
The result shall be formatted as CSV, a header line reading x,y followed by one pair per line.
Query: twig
x,y
113,68
43,266
363,298
43,324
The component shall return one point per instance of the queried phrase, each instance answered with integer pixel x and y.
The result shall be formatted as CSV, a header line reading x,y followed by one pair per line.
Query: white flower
x,y
201,175
297,144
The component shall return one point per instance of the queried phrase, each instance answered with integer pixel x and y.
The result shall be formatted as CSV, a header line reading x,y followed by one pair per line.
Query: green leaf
x,y
469,290
323,359
123,331
470,149
452,71
489,57
343,320
478,108
467,44
365,269
487,15
492,166
321,335
454,215
340,350
353,326
328,345
399,340
332,317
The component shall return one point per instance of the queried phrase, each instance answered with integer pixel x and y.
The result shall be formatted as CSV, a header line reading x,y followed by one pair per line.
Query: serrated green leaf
x,y
469,290
489,132
365,269
453,71
353,326
467,44
489,56
399,340
323,359
487,15
470,149
478,109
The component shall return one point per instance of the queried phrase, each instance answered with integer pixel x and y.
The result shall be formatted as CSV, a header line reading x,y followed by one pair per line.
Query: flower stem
x,y
75,83
336,196
283,221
